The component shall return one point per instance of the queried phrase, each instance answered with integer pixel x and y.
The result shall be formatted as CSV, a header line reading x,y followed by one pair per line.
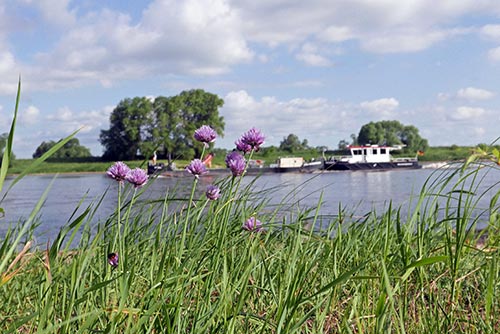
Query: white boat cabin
x,y
293,162
372,153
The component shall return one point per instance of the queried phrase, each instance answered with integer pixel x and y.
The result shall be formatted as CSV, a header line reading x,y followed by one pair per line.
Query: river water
x,y
355,192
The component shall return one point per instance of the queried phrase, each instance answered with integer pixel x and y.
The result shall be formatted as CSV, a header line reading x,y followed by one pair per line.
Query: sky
x,y
319,69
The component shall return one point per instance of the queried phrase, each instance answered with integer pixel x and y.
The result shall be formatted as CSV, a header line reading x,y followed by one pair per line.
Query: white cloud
x,y
471,93
181,37
491,31
7,62
336,34
314,119
443,96
63,114
466,113
494,54
479,131
29,116
209,37
54,12
406,40
381,106
309,54
65,120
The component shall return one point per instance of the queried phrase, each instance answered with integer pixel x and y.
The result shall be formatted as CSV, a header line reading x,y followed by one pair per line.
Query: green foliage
x,y
446,153
71,149
392,133
292,144
3,145
343,144
165,125
128,125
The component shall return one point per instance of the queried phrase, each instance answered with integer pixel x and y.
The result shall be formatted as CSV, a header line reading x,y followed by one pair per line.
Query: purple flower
x,y
138,177
252,224
213,192
205,134
197,168
242,146
253,138
118,171
113,259
236,163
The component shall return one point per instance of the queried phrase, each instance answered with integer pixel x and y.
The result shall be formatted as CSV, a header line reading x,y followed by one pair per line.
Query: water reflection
x,y
354,191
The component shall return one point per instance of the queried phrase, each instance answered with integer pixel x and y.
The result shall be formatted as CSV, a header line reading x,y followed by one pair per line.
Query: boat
x,y
295,164
255,167
371,157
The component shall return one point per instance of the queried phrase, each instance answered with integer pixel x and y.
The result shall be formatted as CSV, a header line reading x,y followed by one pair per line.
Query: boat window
x,y
382,151
356,152
375,151
365,151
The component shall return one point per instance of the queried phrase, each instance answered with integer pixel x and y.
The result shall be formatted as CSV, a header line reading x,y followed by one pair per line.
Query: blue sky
x,y
319,69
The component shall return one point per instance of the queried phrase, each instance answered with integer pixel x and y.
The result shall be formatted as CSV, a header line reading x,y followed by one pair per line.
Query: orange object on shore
x,y
208,160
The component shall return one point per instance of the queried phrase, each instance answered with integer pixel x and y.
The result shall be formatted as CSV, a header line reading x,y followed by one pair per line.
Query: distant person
x,y
153,159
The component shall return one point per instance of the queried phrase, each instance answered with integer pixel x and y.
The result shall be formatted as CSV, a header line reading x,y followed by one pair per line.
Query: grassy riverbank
x,y
235,264
195,270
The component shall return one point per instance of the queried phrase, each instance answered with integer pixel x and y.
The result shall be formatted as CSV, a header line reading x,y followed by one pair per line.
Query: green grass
x,y
195,270
191,268
18,165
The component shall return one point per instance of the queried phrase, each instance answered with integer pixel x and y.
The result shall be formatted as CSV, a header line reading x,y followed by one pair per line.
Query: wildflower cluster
x,y
113,259
205,134
252,224
213,192
196,168
236,163
250,141
121,172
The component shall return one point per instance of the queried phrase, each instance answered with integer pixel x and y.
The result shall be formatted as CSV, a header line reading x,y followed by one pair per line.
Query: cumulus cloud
x,y
336,34
383,106
466,113
494,54
54,12
209,37
29,116
179,37
491,31
471,93
277,119
311,56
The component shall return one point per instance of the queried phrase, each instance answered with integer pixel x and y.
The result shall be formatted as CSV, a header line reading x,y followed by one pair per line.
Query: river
x,y
356,192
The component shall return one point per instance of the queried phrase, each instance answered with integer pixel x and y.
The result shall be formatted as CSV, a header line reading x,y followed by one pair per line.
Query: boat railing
x,y
405,159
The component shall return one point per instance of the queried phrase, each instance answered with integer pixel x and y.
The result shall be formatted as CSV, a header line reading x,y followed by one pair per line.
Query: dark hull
x,y
345,166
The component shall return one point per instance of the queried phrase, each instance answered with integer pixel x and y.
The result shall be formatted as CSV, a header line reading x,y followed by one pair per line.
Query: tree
x,y
72,149
392,133
291,143
3,144
165,125
128,126
343,144
196,108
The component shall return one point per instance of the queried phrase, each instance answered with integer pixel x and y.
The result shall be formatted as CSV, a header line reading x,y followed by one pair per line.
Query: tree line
x,y
141,126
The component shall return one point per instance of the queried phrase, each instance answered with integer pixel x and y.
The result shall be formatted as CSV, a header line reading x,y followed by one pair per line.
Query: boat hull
x,y
307,167
346,166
